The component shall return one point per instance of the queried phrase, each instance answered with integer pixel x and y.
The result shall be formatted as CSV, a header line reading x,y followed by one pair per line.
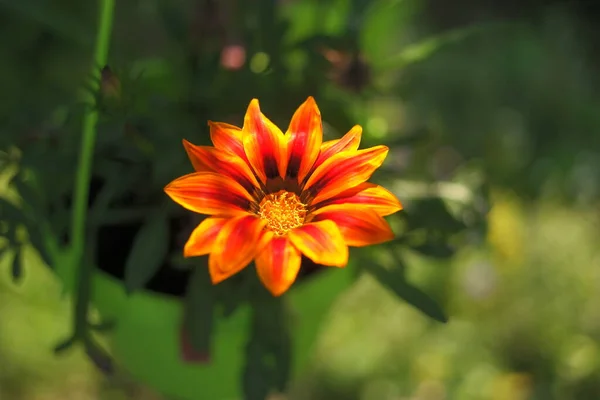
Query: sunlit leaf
x,y
414,296
147,253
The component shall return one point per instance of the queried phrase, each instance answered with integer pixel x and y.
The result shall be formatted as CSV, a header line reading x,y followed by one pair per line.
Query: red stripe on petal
x,y
359,226
368,194
202,239
304,138
235,246
349,142
264,144
278,264
206,158
322,242
227,137
344,171
210,193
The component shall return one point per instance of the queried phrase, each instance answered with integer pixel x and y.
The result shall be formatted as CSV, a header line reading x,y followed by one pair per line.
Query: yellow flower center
x,y
283,211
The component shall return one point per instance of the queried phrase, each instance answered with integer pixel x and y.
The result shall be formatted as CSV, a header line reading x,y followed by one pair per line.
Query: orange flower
x,y
273,197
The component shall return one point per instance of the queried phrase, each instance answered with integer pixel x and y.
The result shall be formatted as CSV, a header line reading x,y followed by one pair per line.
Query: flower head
x,y
273,197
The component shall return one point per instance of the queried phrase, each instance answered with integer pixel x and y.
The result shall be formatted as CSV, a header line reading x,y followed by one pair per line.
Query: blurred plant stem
x,y
84,171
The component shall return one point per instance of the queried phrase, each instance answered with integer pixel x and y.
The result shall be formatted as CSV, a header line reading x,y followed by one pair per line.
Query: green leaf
x,y
409,293
66,26
401,139
200,309
11,213
173,20
432,214
103,326
256,373
31,199
268,352
425,48
385,19
17,265
148,252
37,241
99,356
65,344
434,249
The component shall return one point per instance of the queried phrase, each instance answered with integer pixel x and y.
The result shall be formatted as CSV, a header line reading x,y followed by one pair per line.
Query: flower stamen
x,y
283,211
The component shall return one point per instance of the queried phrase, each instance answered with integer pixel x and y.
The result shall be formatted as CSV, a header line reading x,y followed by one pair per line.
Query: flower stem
x,y
84,169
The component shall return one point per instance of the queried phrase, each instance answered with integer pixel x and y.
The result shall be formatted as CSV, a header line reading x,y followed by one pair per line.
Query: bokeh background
x,y
492,113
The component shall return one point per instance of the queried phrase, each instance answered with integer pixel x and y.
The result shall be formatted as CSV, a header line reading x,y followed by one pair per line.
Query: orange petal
x,y
206,158
348,142
264,144
278,264
197,157
344,171
235,246
304,138
322,242
227,137
368,194
203,237
359,226
210,193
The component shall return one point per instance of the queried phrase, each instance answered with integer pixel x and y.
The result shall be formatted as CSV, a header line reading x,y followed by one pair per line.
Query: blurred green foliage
x,y
473,108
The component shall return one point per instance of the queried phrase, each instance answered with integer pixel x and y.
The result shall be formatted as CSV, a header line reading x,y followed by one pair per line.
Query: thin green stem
x,y
84,168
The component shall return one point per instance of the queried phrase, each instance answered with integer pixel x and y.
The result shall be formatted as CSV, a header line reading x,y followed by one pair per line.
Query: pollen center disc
x,y
283,211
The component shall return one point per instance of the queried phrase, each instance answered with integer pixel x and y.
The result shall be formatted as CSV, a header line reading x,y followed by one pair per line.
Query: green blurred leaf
x,y
268,352
414,296
425,48
103,326
432,214
384,20
27,193
29,213
65,344
398,139
200,309
173,19
66,26
148,252
256,384
17,265
11,213
99,356
434,249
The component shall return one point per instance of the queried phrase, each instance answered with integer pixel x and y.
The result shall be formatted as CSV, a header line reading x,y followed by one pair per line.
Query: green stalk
x,y
84,170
